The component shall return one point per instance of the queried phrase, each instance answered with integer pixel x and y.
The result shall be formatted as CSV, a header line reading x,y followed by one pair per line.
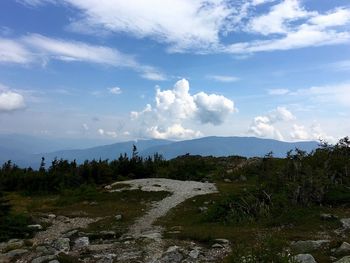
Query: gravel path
x,y
180,191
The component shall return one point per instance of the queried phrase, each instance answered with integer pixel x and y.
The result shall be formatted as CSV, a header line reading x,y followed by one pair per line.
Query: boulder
x,y
343,249
11,245
172,255
194,253
222,241
304,258
344,260
43,259
81,242
306,246
62,244
16,252
118,217
345,222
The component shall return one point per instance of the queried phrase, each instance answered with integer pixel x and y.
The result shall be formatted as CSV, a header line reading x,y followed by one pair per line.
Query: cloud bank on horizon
x,y
268,68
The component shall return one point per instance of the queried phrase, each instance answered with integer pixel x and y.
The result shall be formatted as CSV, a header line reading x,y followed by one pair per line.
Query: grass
x,y
295,224
88,202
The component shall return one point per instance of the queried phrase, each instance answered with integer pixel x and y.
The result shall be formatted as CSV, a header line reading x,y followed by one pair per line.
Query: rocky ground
x,y
67,238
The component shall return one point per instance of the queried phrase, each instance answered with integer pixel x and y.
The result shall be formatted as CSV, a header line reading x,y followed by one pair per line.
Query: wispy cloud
x,y
115,90
199,26
35,47
223,78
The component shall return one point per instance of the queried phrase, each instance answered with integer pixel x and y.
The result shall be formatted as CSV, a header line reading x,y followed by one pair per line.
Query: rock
x,y
242,178
62,244
35,227
155,235
172,255
194,253
222,241
12,244
43,259
345,222
344,260
16,252
45,250
226,180
54,261
51,216
304,258
108,234
93,203
70,233
217,245
118,217
343,249
81,242
108,187
202,209
99,247
328,217
306,246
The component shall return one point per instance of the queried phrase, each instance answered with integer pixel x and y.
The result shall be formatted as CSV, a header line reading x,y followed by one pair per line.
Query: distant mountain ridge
x,y
206,146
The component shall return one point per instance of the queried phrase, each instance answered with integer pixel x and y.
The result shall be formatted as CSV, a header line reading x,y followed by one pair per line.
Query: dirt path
x,y
180,191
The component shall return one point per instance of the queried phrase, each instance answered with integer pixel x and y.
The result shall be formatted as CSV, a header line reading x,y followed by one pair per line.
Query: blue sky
x,y
175,69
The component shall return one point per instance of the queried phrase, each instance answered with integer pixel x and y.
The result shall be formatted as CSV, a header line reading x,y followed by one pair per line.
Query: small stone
x,y
81,242
305,258
35,227
54,261
118,217
70,233
108,187
12,244
217,245
226,180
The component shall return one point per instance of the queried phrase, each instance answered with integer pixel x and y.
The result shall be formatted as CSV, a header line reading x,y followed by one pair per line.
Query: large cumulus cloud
x,y
175,106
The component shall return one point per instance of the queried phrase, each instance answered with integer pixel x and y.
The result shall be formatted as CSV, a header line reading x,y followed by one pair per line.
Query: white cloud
x,y
276,21
34,3
10,100
176,132
175,106
115,90
102,132
264,126
13,52
183,24
299,133
338,17
213,108
281,114
278,91
223,78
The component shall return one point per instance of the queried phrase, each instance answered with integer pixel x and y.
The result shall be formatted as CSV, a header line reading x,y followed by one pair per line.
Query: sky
x,y
175,69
